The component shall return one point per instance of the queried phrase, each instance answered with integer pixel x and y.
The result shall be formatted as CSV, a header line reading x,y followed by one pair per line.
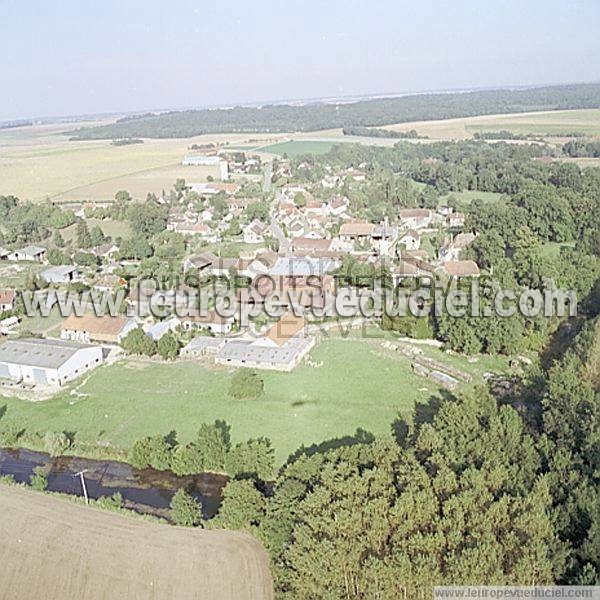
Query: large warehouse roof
x,y
45,354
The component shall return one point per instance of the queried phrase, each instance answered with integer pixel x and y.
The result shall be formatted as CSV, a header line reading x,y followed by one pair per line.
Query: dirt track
x,y
56,550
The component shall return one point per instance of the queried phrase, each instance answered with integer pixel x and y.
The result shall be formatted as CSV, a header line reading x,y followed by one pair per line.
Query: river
x,y
146,491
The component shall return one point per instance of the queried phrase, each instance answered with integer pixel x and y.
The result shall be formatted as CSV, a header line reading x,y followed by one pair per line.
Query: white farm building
x,y
47,361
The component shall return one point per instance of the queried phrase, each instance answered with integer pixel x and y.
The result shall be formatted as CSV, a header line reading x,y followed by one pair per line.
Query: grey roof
x,y
202,342
59,271
43,353
276,355
303,266
31,250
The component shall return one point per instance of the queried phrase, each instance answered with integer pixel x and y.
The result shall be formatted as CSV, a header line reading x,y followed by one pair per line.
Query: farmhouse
x,y
356,231
29,253
280,349
307,245
47,361
61,274
90,328
7,300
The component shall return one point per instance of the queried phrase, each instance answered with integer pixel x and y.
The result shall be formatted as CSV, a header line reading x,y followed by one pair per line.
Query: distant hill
x,y
366,113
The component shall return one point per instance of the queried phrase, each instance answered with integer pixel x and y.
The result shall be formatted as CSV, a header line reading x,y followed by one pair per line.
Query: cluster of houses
x,y
313,235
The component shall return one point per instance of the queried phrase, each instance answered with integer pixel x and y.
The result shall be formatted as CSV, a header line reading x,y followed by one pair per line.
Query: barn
x,y
47,361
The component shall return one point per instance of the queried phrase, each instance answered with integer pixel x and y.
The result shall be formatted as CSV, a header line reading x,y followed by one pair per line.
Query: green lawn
x,y
552,249
111,228
359,385
465,198
296,148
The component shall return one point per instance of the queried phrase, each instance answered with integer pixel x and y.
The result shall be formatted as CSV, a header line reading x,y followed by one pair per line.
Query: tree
x,y
97,236
243,507
299,200
234,228
185,510
83,238
123,196
245,384
168,347
138,342
254,457
58,239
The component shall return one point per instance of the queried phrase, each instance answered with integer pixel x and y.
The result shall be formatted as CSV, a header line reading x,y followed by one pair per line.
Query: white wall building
x,y
47,361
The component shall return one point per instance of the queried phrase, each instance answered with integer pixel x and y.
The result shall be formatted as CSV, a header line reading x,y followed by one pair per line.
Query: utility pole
x,y
85,494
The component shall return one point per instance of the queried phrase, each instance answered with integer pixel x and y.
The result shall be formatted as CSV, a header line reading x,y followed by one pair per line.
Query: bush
x,y
9,435
246,383
56,443
39,481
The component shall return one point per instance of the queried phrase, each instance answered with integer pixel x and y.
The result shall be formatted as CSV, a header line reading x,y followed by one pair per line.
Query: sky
x,y
110,56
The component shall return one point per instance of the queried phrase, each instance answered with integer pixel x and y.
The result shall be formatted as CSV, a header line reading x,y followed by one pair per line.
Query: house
x,y
461,268
47,361
201,262
4,253
106,251
452,249
410,239
91,328
455,219
415,218
158,330
61,274
338,205
29,253
254,232
281,348
7,300
212,321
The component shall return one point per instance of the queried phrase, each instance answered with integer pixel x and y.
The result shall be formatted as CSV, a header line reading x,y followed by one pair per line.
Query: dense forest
x,y
368,113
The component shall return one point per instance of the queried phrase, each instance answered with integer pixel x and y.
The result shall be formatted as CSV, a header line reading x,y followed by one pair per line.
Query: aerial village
x,y
234,224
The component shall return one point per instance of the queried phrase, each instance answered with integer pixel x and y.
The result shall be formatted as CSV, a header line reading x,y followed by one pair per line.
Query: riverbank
x,y
145,491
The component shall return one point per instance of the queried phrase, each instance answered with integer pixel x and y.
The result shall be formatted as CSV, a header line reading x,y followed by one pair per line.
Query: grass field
x,y
296,148
130,399
552,249
109,227
464,199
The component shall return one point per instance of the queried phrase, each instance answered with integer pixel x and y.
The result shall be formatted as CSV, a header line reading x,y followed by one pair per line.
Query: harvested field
x,y
545,123
56,550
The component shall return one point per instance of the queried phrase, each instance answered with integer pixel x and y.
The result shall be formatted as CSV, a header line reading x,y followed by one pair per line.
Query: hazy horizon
x,y
73,60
